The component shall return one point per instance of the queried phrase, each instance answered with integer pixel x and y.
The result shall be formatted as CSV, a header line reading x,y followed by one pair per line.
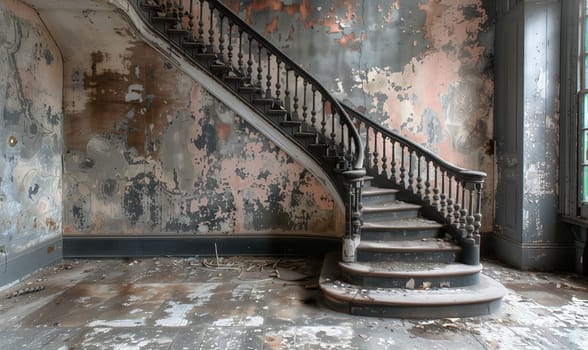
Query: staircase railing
x,y
453,193
219,41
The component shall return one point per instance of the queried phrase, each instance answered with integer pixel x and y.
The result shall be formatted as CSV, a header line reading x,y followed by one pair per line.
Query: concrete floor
x,y
170,303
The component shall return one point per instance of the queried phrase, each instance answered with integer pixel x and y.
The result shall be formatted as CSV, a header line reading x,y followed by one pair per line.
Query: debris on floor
x,y
269,303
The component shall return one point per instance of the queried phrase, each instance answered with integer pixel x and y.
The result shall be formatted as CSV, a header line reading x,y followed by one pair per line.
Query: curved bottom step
x,y
480,299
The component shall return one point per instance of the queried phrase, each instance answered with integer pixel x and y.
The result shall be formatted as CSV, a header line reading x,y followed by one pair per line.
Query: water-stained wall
x,y
31,129
422,68
149,151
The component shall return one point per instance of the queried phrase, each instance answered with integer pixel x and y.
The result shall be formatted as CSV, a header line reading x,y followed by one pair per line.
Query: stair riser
x,y
380,198
433,256
412,283
425,312
390,214
399,235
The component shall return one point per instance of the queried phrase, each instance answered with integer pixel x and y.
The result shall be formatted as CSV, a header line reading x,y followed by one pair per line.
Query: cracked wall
x,y
422,68
149,151
31,123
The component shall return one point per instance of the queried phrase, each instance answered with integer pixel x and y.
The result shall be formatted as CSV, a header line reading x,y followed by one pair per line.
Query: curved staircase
x,y
411,243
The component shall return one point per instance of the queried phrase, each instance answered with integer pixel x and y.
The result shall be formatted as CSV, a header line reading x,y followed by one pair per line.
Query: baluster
x,y
250,63
168,9
402,169
436,197
393,162
304,104
376,154
333,134
366,150
410,171
470,218
287,94
240,54
478,215
349,155
450,200
456,206
384,158
180,13
463,212
313,111
268,84
201,23
230,46
419,180
296,100
428,184
259,68
442,195
191,22
221,39
324,119
278,85
210,48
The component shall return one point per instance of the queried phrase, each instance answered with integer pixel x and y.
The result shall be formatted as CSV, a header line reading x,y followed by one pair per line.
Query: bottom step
x,y
480,299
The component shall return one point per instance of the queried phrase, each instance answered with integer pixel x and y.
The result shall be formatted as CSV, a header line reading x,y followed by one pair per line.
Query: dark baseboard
x,y
146,245
536,256
16,268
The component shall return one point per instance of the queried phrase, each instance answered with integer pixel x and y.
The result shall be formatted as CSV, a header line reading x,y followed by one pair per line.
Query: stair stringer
x,y
242,109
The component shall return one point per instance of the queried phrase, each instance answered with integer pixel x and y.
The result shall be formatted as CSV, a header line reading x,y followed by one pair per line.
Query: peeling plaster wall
x,y
422,68
31,116
148,151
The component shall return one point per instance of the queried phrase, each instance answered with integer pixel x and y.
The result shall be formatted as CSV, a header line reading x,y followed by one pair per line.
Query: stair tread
x,y
487,290
401,224
422,245
389,206
373,191
395,269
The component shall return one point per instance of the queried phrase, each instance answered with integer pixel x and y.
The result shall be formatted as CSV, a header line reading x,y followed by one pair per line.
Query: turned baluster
x,y
295,100
419,180
366,150
323,120
441,194
287,98
240,54
268,84
410,171
191,23
376,154
279,86
313,119
393,163
201,23
221,39
478,215
450,200
210,48
230,46
469,227
456,206
250,62
259,68
463,212
428,184
384,158
402,169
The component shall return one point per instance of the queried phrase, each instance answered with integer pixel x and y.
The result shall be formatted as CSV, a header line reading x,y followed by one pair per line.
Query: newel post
x,y
353,184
